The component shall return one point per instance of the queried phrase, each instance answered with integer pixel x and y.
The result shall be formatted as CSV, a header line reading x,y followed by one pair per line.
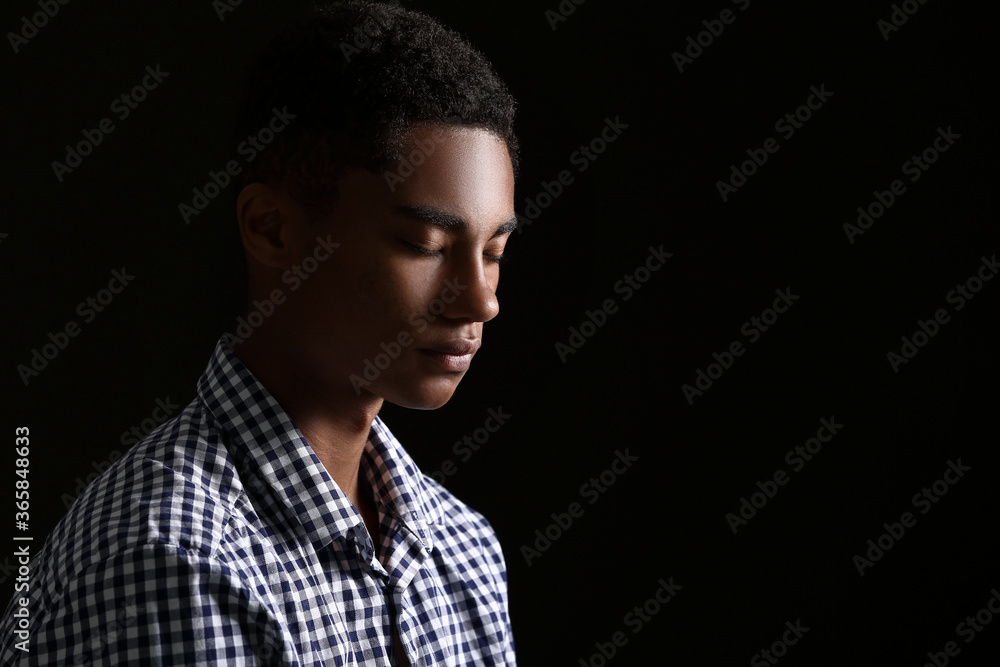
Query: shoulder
x,y
177,487
467,556
162,524
183,606
459,528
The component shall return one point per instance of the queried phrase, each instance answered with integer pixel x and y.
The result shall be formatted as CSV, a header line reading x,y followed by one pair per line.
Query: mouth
x,y
454,356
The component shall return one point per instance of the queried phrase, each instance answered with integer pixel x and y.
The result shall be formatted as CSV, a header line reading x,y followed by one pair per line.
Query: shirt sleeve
x,y
156,605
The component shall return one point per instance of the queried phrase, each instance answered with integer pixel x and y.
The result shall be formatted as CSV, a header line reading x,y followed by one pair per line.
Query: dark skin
x,y
394,273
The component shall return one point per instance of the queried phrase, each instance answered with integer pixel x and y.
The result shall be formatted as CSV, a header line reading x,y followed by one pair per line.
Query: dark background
x,y
655,185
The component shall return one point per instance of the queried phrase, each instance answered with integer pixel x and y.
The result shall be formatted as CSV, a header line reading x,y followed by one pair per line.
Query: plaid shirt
x,y
222,539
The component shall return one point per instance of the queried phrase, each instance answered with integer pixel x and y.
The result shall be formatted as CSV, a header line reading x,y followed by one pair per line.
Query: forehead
x,y
466,171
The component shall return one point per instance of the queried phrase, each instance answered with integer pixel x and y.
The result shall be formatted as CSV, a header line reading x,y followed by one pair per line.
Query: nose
x,y
472,293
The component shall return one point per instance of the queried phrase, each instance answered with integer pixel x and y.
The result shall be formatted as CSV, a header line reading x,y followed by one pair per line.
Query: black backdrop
x,y
661,528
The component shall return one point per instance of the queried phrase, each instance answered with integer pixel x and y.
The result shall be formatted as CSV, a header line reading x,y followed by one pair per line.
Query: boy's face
x,y
398,309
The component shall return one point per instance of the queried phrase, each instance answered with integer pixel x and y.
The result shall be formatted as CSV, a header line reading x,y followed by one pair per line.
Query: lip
x,y
455,355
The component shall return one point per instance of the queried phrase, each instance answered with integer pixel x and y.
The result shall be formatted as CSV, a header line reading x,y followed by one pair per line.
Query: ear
x,y
269,222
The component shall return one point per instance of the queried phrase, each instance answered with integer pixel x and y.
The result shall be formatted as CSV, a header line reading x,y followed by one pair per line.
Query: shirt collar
x,y
271,452
397,482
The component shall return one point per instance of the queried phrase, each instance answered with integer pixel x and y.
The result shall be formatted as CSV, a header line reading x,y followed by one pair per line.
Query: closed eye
x,y
422,251
496,259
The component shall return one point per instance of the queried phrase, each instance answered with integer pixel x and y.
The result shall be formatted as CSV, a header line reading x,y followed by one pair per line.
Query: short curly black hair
x,y
357,76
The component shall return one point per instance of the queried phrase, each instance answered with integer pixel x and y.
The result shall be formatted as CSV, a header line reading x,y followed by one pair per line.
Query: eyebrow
x,y
453,223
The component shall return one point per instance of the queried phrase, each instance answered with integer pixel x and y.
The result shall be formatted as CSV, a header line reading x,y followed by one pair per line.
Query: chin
x,y
426,395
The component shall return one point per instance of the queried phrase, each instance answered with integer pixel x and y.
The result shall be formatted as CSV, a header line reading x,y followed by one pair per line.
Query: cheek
x,y
391,292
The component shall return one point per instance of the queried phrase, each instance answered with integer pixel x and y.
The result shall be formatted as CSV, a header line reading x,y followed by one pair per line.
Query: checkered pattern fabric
x,y
221,539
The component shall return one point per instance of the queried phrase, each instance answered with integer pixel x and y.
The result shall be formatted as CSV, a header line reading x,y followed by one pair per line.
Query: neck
x,y
334,419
